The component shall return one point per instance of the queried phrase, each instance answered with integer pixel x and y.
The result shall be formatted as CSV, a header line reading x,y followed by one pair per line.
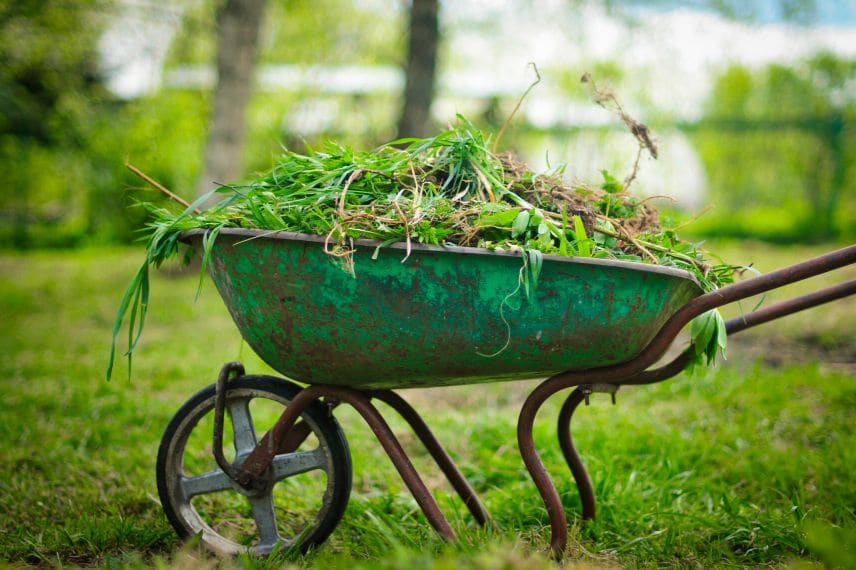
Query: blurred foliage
x,y
49,88
778,143
302,31
779,147
64,138
834,546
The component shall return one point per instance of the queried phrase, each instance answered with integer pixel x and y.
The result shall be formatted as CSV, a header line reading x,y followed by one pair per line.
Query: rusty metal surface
x,y
259,460
661,341
633,371
441,457
743,322
226,372
572,457
445,316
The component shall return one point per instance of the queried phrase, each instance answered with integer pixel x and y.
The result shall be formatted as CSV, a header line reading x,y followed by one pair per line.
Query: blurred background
x,y
752,103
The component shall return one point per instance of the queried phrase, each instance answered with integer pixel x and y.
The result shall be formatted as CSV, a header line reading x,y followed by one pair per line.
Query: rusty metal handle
x,y
773,280
749,320
790,307
730,294
229,370
739,291
633,371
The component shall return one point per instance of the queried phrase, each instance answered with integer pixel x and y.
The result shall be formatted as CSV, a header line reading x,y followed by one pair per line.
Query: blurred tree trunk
x,y
238,24
421,69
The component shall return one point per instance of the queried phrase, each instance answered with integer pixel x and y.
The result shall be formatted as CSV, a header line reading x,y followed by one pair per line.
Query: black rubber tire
x,y
171,460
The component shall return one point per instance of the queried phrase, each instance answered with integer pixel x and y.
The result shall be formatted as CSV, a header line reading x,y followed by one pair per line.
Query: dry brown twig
x,y
628,235
354,175
517,107
604,98
406,228
159,186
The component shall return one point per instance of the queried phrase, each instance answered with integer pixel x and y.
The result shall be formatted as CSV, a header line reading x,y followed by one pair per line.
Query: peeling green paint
x,y
429,321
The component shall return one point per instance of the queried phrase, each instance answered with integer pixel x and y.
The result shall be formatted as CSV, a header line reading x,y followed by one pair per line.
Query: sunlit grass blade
x,y
130,294
580,237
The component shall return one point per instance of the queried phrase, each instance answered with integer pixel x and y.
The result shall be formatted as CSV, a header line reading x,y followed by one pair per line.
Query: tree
x,y
421,69
238,24
50,93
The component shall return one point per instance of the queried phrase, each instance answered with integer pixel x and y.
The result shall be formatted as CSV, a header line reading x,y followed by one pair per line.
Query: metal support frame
x,y
572,456
636,372
441,458
288,432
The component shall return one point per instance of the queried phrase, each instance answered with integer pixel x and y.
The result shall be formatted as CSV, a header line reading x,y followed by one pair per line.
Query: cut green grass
x,y
449,189
744,465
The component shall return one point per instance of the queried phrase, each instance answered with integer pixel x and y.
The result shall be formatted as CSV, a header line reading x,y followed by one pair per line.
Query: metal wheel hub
x,y
253,487
236,512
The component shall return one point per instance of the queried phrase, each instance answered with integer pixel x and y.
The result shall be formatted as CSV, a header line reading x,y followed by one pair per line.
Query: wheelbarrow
x,y
445,316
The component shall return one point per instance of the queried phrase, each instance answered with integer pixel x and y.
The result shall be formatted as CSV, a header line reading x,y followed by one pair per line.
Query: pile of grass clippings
x,y
447,189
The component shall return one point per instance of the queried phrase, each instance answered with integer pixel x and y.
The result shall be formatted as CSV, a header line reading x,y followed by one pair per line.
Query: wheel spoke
x,y
210,482
265,518
242,424
290,464
198,497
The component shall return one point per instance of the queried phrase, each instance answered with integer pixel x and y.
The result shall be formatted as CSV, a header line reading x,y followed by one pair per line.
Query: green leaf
x,y
521,222
721,333
601,239
536,261
501,219
701,331
610,183
709,336
563,238
583,245
132,293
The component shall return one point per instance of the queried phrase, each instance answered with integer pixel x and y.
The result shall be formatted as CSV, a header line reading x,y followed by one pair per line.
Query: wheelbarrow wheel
x,y
307,489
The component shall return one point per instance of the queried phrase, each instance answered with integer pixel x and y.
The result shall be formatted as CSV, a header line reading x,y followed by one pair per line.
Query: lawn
x,y
750,464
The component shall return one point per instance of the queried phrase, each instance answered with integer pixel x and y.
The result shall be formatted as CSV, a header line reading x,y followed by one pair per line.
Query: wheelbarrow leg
x,y
572,457
259,460
586,384
441,457
526,443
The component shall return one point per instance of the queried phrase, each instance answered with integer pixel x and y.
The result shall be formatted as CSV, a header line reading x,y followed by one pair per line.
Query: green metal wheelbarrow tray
x,y
439,316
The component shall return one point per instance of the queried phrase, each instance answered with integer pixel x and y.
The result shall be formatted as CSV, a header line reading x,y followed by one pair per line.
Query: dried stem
x,y
638,245
406,229
354,175
640,131
693,219
516,107
702,266
159,186
632,176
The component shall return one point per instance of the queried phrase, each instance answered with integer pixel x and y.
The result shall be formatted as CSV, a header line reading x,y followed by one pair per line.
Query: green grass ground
x,y
750,464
